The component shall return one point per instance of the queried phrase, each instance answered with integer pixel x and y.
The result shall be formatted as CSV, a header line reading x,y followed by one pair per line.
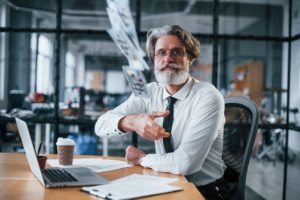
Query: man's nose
x,y
169,58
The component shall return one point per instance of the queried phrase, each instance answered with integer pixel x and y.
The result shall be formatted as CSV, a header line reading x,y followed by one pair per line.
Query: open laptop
x,y
56,177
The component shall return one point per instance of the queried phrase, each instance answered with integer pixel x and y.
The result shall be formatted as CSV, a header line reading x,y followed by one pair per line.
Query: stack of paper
x,y
133,186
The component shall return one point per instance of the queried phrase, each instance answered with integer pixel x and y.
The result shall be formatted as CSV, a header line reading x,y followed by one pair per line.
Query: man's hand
x,y
144,125
134,155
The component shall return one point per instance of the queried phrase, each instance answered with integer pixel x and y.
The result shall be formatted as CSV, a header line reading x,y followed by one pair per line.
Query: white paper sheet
x,y
95,164
135,177
130,189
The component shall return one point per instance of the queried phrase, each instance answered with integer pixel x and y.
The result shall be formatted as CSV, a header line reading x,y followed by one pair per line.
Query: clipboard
x,y
130,189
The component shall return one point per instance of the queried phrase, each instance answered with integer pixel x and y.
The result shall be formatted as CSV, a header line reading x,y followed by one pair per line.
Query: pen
x,y
39,149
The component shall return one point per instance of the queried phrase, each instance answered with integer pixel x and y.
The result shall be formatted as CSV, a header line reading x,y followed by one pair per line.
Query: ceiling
x,y
91,14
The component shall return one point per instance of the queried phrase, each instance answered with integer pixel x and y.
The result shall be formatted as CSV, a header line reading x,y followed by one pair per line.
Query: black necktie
x,y
167,124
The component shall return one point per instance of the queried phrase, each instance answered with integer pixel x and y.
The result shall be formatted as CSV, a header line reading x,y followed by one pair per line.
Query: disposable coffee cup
x,y
65,151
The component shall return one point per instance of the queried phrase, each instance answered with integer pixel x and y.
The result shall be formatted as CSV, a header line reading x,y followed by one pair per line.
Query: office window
x,y
2,52
44,71
70,69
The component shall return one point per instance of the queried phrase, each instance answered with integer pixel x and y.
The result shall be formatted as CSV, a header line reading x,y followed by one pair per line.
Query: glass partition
x,y
293,174
28,14
85,15
257,18
296,18
27,57
203,67
91,73
195,16
254,69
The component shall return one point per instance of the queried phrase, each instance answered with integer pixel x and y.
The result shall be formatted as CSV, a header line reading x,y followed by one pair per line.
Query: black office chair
x,y
240,129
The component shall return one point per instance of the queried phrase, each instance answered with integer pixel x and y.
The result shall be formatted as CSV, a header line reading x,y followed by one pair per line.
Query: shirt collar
x,y
183,92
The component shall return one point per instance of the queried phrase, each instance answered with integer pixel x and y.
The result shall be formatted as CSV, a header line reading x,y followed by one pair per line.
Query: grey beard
x,y
173,78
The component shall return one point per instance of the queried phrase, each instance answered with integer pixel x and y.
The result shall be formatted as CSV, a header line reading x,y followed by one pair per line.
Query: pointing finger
x,y
160,114
165,134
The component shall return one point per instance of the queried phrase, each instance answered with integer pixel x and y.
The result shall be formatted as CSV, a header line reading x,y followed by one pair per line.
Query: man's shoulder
x,y
207,89
204,86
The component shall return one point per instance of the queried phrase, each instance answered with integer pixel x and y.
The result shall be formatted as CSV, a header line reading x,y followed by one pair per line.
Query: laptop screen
x,y
29,150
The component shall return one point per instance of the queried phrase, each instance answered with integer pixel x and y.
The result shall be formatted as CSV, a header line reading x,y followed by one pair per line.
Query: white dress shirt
x,y
197,130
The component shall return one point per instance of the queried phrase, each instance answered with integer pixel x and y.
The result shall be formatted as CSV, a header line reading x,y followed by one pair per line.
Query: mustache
x,y
171,65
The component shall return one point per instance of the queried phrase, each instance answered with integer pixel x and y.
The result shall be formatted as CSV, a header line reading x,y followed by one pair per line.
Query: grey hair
x,y
191,44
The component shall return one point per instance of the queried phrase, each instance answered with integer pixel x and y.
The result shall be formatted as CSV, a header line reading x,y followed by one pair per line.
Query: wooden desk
x,y
17,182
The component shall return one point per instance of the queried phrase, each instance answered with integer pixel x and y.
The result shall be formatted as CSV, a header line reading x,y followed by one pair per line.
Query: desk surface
x,y
17,182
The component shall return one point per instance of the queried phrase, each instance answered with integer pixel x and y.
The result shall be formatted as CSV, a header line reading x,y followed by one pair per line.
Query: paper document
x,y
136,81
135,177
130,189
95,164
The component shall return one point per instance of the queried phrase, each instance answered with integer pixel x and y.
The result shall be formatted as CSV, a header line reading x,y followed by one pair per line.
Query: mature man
x,y
183,116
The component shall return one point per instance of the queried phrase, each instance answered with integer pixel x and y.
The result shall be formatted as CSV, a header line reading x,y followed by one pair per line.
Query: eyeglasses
x,y
174,53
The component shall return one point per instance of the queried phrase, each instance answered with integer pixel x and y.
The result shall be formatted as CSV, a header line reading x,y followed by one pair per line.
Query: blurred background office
x,y
59,70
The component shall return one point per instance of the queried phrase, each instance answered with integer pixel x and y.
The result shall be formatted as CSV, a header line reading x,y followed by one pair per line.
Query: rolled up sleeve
x,y
107,124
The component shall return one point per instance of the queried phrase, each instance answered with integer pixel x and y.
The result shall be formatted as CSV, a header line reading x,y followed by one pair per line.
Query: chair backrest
x,y
240,129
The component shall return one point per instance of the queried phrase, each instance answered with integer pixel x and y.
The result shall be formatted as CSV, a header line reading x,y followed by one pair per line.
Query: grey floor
x,y
266,179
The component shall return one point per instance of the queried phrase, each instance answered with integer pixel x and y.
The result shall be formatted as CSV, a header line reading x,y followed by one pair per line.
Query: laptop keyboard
x,y
59,175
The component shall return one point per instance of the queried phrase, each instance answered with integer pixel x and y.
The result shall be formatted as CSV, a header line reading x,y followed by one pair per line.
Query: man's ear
x,y
191,61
